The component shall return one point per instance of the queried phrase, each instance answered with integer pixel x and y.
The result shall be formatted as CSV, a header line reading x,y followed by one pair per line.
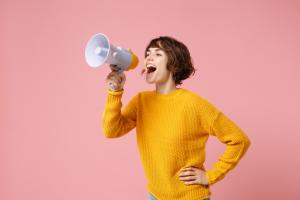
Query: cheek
x,y
165,69
144,62
163,64
164,73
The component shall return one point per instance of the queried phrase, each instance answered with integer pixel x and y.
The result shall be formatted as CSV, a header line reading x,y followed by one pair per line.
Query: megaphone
x,y
99,51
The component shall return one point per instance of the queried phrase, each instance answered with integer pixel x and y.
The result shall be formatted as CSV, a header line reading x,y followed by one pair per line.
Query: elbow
x,y
247,142
107,129
109,133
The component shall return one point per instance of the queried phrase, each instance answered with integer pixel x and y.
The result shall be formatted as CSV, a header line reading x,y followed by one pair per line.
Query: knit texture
x,y
171,131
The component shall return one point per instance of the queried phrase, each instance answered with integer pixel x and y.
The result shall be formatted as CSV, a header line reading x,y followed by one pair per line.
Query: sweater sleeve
x,y
117,122
237,143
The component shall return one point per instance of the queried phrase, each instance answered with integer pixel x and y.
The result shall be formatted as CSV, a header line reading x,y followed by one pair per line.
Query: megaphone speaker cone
x,y
97,50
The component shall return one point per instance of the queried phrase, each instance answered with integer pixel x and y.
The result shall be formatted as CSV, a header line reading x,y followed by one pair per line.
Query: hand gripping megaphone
x,y
99,51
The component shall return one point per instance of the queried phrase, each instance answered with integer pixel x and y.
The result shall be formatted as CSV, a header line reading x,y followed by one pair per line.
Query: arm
x,y
116,123
237,143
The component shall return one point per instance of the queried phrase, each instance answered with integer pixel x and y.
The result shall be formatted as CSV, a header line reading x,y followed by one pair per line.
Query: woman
x,y
172,125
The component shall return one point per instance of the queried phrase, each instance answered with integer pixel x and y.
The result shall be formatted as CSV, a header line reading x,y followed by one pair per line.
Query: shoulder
x,y
195,97
140,95
205,110
200,103
143,94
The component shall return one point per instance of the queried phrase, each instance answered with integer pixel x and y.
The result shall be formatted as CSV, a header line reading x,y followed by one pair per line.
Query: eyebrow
x,y
156,49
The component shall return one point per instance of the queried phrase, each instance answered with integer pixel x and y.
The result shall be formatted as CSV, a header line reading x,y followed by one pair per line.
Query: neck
x,y
166,87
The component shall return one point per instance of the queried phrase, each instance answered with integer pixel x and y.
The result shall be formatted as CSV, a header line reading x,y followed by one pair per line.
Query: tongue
x,y
150,70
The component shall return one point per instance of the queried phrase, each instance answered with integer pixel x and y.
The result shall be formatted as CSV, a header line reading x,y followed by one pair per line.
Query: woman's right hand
x,y
115,79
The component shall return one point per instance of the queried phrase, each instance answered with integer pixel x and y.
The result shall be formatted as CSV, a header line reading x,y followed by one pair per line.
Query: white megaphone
x,y
99,51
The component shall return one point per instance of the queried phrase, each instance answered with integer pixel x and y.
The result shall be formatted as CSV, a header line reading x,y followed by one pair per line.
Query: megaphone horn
x,y
99,51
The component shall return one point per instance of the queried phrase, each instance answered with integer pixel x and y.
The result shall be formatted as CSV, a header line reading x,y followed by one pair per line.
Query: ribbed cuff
x,y
112,92
114,96
209,178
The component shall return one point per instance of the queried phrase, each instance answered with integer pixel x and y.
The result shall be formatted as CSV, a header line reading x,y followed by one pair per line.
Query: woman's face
x,y
155,64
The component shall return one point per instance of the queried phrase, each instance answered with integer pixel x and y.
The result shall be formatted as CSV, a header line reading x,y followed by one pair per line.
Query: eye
x,y
148,54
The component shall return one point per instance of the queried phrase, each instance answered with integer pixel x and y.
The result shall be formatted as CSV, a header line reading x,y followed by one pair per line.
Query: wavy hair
x,y
179,59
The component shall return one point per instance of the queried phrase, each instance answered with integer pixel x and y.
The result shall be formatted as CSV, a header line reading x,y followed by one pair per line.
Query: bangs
x,y
156,43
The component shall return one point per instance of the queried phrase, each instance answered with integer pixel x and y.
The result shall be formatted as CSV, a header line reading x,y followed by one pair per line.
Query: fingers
x,y
188,173
116,80
116,76
188,178
114,68
187,168
192,175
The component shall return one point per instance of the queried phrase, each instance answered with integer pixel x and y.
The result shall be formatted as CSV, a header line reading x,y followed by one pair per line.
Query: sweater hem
x,y
207,194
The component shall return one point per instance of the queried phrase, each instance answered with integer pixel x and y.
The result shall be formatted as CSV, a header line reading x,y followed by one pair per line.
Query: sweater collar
x,y
168,95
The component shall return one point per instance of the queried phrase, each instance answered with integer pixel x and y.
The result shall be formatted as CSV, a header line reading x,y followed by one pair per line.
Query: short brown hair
x,y
179,59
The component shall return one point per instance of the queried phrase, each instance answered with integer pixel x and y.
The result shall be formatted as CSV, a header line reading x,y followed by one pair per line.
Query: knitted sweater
x,y
171,131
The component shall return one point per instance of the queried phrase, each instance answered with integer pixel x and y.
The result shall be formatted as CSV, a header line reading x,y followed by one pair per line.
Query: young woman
x,y
172,125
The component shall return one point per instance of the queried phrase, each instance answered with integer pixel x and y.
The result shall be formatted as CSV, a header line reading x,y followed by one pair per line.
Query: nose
x,y
149,57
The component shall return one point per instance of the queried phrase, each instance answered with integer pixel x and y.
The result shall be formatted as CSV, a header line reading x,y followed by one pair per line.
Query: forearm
x,y
237,144
114,122
227,161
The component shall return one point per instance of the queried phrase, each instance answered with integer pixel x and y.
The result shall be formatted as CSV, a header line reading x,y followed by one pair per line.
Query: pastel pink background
x,y
52,145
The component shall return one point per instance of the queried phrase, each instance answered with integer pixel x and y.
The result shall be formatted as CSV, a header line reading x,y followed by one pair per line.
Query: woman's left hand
x,y
193,175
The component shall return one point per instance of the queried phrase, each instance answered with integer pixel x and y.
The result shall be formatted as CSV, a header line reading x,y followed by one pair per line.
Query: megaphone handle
x,y
119,69
116,68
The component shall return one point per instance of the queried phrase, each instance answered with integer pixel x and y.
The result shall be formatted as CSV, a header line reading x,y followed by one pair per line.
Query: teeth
x,y
150,68
150,65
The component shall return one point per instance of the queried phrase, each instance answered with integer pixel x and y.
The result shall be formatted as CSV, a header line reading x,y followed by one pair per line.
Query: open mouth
x,y
150,69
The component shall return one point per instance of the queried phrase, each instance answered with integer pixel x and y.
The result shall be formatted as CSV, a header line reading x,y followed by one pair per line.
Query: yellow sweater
x,y
171,131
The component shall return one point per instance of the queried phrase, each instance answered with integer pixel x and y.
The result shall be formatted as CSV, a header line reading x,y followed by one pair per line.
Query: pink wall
x,y
51,145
